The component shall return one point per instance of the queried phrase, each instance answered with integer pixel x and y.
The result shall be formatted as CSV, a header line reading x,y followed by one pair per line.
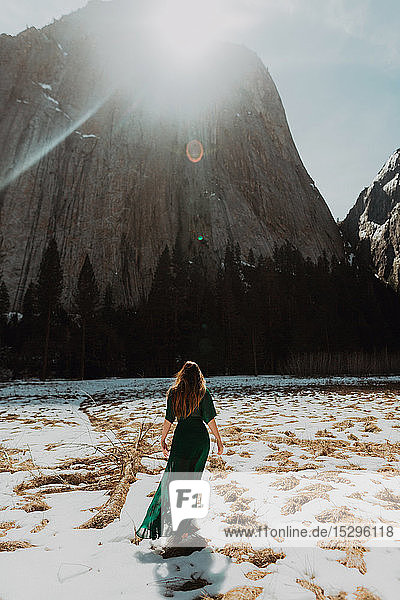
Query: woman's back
x,y
205,411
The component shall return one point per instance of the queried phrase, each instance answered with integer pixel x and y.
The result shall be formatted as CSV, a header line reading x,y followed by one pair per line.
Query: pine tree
x,y
29,303
86,299
49,292
231,296
179,299
113,336
4,309
158,317
108,311
4,303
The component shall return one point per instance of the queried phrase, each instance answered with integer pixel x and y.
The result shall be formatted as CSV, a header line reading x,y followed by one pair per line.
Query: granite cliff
x,y
94,149
372,226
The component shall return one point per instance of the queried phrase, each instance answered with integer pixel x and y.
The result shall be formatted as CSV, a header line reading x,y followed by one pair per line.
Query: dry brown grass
x,y
313,587
324,433
12,545
333,476
256,574
112,466
35,503
6,526
342,425
318,591
372,428
40,526
340,544
393,501
354,559
111,509
237,593
217,464
286,467
44,421
74,479
304,496
286,483
363,594
230,491
335,515
357,495
324,448
281,456
14,459
246,553
240,519
317,487
337,447
354,553
241,504
389,469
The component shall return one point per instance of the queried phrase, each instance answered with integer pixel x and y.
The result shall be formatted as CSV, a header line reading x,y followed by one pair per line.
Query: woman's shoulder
x,y
207,394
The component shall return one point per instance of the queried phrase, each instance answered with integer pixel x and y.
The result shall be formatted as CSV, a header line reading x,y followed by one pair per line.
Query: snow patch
x,y
51,99
85,135
45,86
11,315
391,185
62,49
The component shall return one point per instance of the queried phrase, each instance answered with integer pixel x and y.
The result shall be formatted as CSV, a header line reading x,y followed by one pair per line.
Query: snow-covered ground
x,y
301,451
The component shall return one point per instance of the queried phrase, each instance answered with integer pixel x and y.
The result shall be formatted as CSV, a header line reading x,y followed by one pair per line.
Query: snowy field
x,y
296,450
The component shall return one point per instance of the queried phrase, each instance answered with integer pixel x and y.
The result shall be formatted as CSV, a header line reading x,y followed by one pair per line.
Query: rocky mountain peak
x,y
372,226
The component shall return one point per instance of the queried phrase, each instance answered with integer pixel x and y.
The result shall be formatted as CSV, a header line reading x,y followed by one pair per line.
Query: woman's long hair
x,y
188,389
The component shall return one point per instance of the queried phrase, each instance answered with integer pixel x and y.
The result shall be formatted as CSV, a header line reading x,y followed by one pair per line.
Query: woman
x,y
191,403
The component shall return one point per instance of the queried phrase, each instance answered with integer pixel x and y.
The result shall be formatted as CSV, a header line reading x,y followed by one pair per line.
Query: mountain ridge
x,y
372,226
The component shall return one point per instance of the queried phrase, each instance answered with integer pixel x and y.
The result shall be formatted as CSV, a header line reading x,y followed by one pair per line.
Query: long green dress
x,y
189,451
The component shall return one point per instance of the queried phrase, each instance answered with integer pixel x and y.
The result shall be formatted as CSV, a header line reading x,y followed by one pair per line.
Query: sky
x,y
336,64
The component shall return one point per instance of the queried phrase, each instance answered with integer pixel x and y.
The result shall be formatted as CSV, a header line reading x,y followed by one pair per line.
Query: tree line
x,y
257,315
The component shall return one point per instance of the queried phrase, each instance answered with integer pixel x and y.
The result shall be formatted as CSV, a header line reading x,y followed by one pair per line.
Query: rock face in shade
x,y
93,137
372,226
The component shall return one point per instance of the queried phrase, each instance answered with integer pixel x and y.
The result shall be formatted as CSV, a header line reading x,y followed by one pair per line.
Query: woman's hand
x,y
164,448
214,430
164,433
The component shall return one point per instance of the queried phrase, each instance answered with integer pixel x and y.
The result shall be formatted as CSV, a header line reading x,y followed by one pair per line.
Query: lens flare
x,y
194,151
30,161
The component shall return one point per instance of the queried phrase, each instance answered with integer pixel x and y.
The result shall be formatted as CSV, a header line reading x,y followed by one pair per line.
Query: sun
x,y
164,54
183,31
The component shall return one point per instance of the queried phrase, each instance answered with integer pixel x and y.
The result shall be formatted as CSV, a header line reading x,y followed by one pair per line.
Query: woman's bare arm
x,y
214,429
164,433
